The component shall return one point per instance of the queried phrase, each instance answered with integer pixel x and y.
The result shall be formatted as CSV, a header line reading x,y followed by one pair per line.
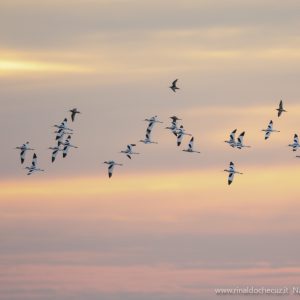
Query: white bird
x,y
129,151
67,146
180,133
190,147
63,125
239,143
173,127
54,152
280,109
23,149
231,172
33,168
73,112
111,165
295,144
269,130
231,140
173,87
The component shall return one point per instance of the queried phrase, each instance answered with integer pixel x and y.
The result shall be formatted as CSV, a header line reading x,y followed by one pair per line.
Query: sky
x,y
166,226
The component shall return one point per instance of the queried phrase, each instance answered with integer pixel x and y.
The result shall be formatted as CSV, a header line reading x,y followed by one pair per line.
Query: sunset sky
x,y
166,226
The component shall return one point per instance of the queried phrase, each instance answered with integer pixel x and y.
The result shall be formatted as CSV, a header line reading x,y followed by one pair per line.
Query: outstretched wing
x,y
22,155
179,138
232,136
191,144
65,151
240,140
270,126
30,171
110,170
230,178
73,115
34,161
54,153
267,135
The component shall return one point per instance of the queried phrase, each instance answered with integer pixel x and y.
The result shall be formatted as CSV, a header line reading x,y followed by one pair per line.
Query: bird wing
x,y
30,171
179,138
280,105
230,177
191,144
73,115
240,139
174,83
267,135
110,170
296,139
270,126
34,161
54,154
22,155
232,136
66,149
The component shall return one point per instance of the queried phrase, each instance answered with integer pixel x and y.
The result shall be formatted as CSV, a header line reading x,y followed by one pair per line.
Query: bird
x,y
73,112
33,168
111,165
296,144
173,87
280,109
190,147
23,149
129,151
153,119
67,146
269,130
231,140
231,172
180,133
63,125
239,143
173,127
54,152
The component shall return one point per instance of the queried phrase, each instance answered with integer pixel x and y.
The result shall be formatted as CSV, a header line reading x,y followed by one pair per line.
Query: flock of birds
x,y
64,145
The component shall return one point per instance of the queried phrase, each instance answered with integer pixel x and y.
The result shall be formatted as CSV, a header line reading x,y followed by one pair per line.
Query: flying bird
x,y
33,168
23,149
73,112
239,143
269,130
111,164
63,125
190,147
129,151
295,144
231,172
173,87
231,142
173,127
67,146
54,152
280,109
